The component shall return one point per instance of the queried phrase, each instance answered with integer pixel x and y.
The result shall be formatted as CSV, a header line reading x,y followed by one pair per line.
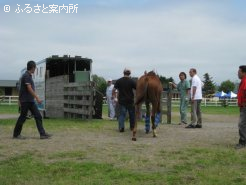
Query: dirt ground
x,y
8,116
108,145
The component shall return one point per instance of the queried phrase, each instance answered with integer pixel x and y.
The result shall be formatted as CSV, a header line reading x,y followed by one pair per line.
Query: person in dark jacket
x,y
26,100
125,87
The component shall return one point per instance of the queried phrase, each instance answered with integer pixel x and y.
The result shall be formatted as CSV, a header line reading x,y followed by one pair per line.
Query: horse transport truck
x,y
65,86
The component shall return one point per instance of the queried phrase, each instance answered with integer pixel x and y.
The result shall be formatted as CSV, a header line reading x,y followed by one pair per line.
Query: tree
x,y
165,81
227,86
101,84
209,86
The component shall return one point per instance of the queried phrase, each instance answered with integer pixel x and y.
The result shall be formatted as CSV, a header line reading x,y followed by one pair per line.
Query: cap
x,y
109,80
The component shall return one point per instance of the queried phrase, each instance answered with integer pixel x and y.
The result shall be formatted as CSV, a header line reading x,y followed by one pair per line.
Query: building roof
x,y
8,83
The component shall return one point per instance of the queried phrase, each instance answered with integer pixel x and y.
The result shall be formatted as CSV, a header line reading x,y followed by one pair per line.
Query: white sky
x,y
167,36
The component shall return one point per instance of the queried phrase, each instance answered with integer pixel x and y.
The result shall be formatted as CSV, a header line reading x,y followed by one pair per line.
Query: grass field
x,y
12,109
8,109
93,152
215,110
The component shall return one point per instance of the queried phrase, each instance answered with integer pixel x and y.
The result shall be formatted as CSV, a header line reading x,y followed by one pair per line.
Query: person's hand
x,y
39,101
172,84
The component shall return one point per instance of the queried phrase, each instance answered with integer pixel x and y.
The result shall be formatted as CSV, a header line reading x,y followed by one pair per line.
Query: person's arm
x,y
244,98
188,90
193,93
113,93
31,91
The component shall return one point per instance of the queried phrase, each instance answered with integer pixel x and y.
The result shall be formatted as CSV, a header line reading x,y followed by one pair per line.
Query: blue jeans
x,y
122,116
147,121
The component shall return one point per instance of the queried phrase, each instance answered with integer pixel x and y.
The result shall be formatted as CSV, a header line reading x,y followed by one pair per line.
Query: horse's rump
x,y
148,88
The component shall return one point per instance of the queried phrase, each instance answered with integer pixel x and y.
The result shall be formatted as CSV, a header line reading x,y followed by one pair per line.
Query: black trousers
x,y
242,126
25,106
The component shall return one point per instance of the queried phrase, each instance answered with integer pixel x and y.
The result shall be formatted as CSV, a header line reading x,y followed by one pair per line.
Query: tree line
x,y
209,87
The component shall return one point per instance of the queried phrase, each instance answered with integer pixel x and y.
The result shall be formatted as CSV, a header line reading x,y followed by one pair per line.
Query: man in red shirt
x,y
241,95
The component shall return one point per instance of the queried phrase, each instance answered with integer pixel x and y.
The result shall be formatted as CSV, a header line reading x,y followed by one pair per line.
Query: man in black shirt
x,y
125,86
26,100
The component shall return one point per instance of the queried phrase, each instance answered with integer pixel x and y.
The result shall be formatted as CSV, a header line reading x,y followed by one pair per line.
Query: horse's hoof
x,y
154,135
134,139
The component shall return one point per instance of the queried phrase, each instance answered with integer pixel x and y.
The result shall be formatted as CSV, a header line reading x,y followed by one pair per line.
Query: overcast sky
x,y
162,35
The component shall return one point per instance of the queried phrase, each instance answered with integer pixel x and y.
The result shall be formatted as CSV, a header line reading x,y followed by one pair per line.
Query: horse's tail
x,y
144,93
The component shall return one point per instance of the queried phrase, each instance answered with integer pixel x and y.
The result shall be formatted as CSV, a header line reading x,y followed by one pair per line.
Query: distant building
x,y
8,88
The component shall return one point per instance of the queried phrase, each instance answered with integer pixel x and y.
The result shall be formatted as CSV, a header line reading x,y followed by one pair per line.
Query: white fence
x,y
206,102
8,100
13,100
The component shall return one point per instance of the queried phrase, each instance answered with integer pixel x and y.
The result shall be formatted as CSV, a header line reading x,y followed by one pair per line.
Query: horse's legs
x,y
137,113
131,111
154,107
158,115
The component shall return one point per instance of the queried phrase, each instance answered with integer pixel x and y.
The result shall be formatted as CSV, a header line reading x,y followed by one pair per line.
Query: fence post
x,y
169,104
9,100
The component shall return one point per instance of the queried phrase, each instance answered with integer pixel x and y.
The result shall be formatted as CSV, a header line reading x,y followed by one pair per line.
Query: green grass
x,y
9,109
221,110
206,166
189,166
13,109
28,170
215,110
215,165
59,124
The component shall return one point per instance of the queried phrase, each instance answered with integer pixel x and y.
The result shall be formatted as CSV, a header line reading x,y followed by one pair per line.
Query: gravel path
x,y
8,116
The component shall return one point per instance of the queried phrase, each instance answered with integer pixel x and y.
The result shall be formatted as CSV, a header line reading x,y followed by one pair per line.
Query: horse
x,y
148,90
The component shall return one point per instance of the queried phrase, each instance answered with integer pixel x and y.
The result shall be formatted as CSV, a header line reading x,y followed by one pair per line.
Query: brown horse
x,y
148,90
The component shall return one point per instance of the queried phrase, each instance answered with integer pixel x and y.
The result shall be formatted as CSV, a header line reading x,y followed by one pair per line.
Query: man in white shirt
x,y
196,98
110,100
